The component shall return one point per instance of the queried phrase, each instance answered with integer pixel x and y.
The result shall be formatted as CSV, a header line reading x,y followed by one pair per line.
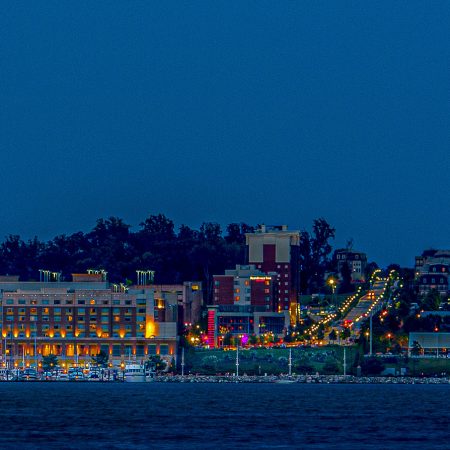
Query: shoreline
x,y
302,379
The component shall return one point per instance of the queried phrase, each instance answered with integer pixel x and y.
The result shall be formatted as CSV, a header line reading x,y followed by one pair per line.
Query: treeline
x,y
175,256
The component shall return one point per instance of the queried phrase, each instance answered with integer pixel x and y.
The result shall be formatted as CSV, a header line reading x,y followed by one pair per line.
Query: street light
x,y
389,335
122,367
332,282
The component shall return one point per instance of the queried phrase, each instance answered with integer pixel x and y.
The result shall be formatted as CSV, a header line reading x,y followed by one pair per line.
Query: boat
x,y
284,381
134,372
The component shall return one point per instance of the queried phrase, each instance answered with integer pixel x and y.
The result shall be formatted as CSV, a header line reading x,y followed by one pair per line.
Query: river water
x,y
231,416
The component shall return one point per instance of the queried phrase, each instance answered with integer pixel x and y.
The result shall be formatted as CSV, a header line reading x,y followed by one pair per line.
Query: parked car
x,y
29,374
47,376
62,377
76,375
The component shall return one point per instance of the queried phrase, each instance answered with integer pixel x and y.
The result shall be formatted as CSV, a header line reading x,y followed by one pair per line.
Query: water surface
x,y
247,416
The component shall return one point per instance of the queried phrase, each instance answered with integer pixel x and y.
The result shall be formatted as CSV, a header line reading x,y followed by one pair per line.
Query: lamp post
x,y
332,283
182,362
389,335
122,367
290,361
237,356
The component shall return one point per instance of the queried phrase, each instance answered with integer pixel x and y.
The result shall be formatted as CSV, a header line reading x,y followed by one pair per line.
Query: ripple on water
x,y
192,416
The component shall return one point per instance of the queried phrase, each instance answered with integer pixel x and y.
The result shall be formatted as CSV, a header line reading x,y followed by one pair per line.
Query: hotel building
x,y
76,320
261,297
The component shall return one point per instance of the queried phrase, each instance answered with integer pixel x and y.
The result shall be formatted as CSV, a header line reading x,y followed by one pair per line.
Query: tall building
x,y
275,249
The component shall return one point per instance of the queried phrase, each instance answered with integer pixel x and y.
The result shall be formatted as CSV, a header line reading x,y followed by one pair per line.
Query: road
x,y
368,303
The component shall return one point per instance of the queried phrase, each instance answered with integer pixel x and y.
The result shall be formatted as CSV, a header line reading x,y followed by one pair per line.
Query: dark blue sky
x,y
275,112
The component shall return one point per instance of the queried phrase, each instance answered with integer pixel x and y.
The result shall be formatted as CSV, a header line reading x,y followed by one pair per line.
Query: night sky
x,y
255,111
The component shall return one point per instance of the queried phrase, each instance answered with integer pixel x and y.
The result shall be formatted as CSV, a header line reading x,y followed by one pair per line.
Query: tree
x,y
101,359
208,255
49,362
321,332
345,333
157,228
333,335
228,339
372,366
346,275
370,268
416,349
155,362
236,233
432,301
314,255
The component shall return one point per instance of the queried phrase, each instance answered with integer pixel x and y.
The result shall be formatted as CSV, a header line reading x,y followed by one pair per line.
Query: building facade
x,y
246,286
256,299
76,320
275,249
356,261
432,272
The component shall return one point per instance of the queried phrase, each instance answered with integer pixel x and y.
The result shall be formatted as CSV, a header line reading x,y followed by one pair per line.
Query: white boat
x,y
134,372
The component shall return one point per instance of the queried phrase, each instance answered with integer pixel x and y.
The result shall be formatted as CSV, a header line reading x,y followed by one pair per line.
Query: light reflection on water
x,y
191,416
